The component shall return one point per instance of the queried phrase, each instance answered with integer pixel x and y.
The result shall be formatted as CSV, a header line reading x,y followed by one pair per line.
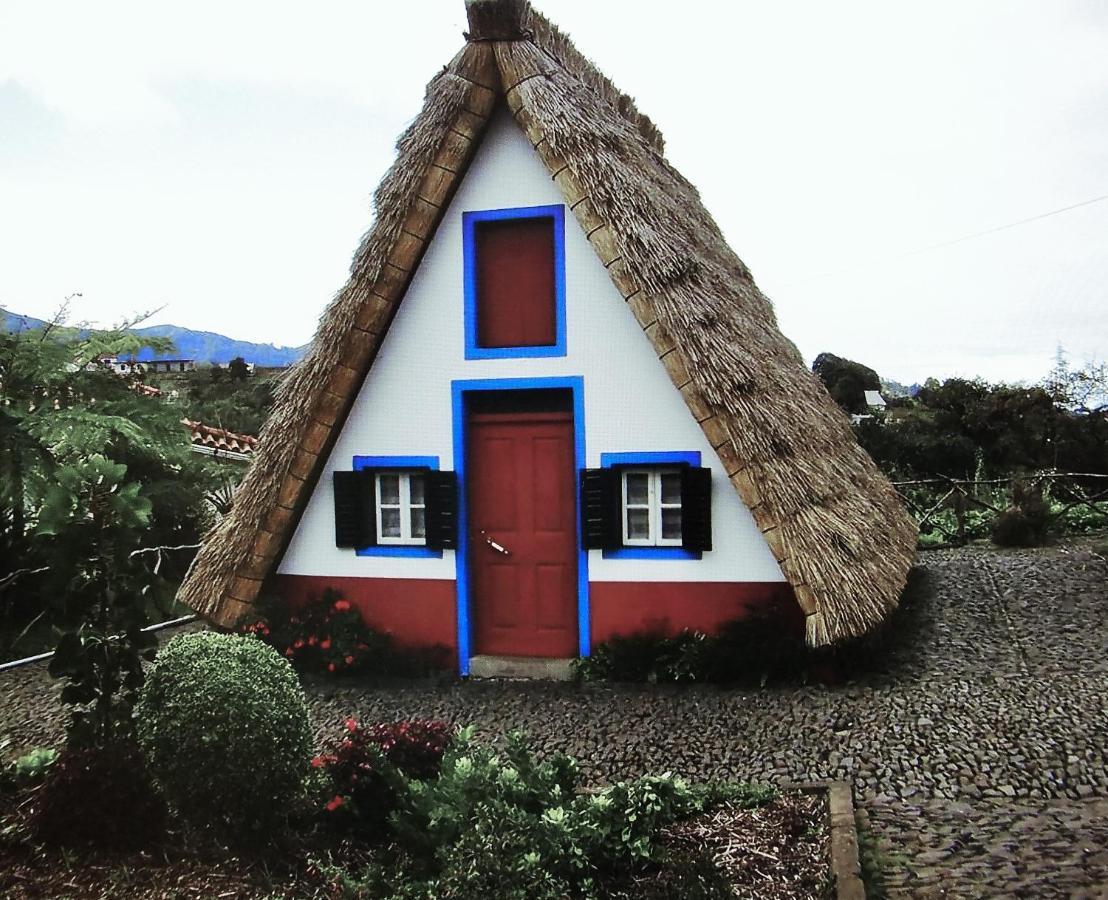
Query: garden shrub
x,y
328,635
1025,523
225,728
754,650
101,796
516,827
359,786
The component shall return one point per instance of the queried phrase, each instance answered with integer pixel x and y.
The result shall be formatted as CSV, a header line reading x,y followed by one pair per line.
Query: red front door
x,y
523,533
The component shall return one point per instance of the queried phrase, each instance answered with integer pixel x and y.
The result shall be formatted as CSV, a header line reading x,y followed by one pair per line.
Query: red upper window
x,y
516,293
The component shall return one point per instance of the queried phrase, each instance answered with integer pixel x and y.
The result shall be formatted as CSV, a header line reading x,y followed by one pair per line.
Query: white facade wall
x,y
404,408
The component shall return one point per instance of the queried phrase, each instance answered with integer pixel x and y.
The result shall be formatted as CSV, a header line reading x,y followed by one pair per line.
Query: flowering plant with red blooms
x,y
361,767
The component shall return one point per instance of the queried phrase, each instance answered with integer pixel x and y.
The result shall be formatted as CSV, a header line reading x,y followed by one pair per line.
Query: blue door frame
x,y
575,384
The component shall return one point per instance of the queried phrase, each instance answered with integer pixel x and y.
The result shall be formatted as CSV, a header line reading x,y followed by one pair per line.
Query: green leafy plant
x,y
31,768
225,729
752,650
512,826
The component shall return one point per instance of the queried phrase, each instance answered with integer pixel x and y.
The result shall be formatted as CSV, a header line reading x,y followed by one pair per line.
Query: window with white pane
x,y
401,508
651,507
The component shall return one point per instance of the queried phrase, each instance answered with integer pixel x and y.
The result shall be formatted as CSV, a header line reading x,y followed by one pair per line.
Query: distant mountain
x,y
208,347
202,346
892,388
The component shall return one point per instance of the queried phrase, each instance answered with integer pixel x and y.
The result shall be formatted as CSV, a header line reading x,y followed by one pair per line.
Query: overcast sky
x,y
218,159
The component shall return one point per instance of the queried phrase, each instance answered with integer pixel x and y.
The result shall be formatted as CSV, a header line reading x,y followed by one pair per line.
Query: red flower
x,y
351,724
325,644
334,803
288,651
330,667
341,606
318,762
350,660
312,640
298,643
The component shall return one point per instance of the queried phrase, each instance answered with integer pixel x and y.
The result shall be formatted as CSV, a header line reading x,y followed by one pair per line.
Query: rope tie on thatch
x,y
525,35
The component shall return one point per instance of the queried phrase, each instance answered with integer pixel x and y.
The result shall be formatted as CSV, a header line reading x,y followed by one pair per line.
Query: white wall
x,y
404,408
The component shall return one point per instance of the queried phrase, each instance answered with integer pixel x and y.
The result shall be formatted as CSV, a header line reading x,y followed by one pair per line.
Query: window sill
x,y
652,553
417,550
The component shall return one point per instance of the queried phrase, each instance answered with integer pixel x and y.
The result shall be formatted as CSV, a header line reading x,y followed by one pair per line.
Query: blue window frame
x,y
469,251
406,463
646,459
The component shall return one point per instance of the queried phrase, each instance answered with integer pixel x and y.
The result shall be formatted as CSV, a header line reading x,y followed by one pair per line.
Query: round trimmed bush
x,y
224,726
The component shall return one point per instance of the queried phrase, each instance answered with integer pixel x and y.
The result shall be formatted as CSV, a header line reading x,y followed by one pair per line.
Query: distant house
x,y
875,402
211,441
168,365
114,364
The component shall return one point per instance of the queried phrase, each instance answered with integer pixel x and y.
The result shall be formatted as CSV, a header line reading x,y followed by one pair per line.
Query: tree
x,y
237,370
846,381
90,472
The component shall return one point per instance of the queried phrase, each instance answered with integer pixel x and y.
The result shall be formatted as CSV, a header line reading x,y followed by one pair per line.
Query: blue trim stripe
x,y
469,267
397,462
459,389
651,458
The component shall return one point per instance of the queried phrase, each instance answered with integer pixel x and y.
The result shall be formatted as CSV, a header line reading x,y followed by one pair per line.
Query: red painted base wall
x,y
423,612
626,607
414,612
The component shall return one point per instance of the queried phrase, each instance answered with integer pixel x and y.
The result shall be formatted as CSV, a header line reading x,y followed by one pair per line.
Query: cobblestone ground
x,y
978,758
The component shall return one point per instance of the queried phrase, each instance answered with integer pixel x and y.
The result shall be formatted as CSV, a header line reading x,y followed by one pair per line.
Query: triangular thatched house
x,y
550,404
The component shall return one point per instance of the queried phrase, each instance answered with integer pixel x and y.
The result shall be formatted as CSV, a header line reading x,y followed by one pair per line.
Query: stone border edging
x,y
843,833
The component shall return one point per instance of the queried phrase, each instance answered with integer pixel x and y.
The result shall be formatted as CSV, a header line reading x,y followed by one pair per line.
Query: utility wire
x,y
957,240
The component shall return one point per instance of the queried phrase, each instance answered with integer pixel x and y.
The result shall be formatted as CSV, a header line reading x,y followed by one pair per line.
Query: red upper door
x,y
523,533
515,283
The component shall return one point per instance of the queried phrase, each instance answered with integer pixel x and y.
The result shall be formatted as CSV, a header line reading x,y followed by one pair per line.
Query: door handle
x,y
499,548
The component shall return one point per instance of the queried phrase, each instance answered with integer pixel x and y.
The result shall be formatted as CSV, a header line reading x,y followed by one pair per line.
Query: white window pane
x,y
390,522
419,527
416,485
638,488
671,487
638,524
388,489
671,524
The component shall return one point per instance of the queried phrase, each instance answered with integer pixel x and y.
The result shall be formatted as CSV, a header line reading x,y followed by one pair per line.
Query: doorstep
x,y
534,668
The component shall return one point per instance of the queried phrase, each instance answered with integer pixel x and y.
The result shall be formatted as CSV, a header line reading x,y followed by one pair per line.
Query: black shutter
x,y
355,513
601,512
696,508
441,493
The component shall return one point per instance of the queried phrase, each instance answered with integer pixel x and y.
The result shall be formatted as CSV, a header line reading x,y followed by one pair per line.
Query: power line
x,y
957,240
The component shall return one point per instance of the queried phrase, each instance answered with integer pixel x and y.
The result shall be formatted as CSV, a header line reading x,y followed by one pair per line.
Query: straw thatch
x,y
833,522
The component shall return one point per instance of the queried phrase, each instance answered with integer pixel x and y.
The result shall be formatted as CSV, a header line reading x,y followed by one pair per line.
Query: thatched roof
x,y
831,519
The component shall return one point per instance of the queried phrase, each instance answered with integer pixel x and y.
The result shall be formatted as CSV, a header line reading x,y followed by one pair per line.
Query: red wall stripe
x,y
423,612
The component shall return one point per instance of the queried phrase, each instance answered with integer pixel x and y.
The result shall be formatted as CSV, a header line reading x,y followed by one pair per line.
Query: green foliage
x,y
512,826
228,398
225,729
752,650
30,768
89,471
101,796
846,381
104,674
